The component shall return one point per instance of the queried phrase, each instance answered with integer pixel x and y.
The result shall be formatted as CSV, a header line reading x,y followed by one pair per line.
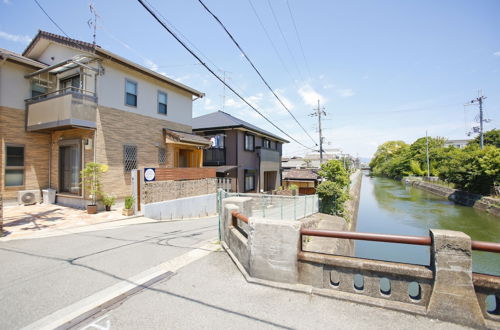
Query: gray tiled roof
x,y
221,119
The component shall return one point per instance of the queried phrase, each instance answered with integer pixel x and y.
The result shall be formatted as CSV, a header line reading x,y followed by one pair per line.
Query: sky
x,y
383,70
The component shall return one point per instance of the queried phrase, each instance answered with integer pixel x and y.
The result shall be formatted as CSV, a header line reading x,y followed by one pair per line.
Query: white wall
x,y
111,93
14,88
58,52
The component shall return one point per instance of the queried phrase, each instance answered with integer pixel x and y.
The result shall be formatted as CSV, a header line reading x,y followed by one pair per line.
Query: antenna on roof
x,y
92,22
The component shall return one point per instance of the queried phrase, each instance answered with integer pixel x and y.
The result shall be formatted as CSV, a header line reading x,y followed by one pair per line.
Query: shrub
x,y
108,200
129,202
332,196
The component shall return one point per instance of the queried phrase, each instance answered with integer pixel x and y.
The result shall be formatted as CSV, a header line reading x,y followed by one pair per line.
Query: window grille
x,y
162,156
129,157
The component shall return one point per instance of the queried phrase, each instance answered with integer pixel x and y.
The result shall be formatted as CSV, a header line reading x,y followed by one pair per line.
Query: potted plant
x,y
129,203
108,201
91,180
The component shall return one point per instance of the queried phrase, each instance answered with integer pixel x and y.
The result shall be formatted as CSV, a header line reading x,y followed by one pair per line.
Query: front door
x,y
69,168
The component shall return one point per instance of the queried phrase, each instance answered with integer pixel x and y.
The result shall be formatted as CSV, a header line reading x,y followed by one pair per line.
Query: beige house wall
x,y
116,128
36,152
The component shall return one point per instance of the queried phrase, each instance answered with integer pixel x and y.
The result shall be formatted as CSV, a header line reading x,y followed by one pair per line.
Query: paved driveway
x,y
40,276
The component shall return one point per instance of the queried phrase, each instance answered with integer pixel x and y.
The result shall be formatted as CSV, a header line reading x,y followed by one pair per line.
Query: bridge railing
x,y
404,283
447,289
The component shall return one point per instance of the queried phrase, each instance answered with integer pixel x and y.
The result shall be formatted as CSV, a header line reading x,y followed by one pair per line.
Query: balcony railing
x,y
69,107
269,155
214,157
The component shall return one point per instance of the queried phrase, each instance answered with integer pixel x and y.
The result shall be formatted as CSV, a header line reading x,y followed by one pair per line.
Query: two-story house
x,y
66,102
249,155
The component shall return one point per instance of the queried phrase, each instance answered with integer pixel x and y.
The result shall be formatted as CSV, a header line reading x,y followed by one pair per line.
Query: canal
x,y
390,207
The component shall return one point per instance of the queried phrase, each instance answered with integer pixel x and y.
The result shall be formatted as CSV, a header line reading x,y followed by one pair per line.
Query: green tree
x,y
333,196
491,138
333,170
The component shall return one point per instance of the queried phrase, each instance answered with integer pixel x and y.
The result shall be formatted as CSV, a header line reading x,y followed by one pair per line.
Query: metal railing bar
x,y
239,216
416,240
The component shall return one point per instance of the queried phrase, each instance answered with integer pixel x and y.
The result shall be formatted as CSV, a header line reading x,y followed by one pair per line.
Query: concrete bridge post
x,y
453,297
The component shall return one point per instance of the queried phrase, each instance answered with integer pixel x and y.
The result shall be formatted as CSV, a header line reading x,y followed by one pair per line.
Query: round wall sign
x,y
149,174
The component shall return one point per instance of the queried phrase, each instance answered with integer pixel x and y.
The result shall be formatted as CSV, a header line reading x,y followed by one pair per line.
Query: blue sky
x,y
384,70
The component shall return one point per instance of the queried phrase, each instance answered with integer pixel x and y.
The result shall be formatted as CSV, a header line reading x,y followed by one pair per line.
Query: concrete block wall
x,y
189,207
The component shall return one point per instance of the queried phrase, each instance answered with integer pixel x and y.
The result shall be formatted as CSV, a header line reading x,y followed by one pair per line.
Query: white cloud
x,y
15,37
496,53
310,96
328,86
346,92
209,105
7,2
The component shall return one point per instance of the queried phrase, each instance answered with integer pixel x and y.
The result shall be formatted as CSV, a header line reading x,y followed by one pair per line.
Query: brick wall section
x,y
36,151
115,128
159,191
165,174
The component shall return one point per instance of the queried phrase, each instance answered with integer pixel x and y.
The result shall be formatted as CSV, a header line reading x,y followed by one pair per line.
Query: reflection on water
x,y
390,207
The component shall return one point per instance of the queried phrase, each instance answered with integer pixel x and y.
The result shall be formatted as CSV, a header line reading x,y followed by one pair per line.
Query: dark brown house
x,y
249,155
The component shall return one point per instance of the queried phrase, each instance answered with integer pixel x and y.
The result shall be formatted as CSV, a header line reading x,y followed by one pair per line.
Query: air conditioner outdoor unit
x,y
28,197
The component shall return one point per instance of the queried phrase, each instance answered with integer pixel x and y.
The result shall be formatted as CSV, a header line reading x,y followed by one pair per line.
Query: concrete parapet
x,y
274,245
453,297
270,250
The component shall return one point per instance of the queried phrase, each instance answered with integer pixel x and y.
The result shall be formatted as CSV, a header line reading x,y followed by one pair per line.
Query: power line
x,y
283,36
255,69
298,38
213,73
182,35
46,14
272,43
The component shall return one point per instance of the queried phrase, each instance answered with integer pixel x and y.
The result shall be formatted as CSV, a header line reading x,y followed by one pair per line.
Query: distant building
x,y
312,160
305,179
247,154
457,143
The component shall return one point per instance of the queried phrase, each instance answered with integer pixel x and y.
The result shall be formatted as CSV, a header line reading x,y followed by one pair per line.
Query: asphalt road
x,y
41,276
212,294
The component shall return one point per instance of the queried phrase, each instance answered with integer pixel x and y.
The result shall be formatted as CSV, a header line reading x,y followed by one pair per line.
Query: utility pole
x,y
427,152
92,23
479,100
319,111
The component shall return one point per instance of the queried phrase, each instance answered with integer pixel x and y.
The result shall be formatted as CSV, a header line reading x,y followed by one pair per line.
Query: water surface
x,y
390,207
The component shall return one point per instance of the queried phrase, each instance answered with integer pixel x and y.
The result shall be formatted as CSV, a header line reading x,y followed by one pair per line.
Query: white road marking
x,y
96,325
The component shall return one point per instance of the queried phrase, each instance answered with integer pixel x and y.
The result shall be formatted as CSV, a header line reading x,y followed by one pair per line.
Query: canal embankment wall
x,y
352,205
483,203
323,221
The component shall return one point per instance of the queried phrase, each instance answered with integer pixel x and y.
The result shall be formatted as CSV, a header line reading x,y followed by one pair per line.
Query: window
x,y
37,90
129,157
249,142
130,93
266,144
217,141
162,103
14,165
162,156
249,180
71,84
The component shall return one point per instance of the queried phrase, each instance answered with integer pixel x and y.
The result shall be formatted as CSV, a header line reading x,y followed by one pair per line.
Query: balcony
x,y
214,157
269,155
62,109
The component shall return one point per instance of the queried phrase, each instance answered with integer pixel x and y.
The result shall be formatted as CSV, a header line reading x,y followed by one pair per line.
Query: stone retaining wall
x,y
352,205
159,191
487,204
